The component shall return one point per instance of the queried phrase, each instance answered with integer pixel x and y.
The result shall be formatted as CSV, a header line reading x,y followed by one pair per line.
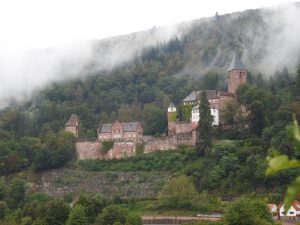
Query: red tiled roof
x,y
296,205
270,206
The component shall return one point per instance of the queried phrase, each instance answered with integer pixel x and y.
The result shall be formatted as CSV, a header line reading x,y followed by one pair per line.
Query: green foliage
x,y
32,209
92,205
154,118
16,193
232,115
106,146
225,148
3,209
56,151
279,163
172,116
26,221
205,203
134,220
245,211
112,214
78,216
139,149
3,189
156,161
204,129
38,196
55,212
186,112
177,193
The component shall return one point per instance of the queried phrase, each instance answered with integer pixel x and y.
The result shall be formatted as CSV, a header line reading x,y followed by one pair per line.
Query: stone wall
x,y
60,182
183,127
88,149
187,138
161,143
91,149
170,142
121,149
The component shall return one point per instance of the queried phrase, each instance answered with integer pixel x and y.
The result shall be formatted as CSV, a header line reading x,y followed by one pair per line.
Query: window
x,y
292,213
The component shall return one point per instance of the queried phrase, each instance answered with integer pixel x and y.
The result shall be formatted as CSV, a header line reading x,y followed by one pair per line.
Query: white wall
x,y
214,112
291,212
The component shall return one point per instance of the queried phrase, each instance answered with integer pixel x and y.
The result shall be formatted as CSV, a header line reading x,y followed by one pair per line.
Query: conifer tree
x,y
204,129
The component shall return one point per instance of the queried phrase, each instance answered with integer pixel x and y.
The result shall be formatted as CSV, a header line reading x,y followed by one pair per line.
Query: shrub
x,y
139,149
106,146
247,211
177,193
110,215
78,216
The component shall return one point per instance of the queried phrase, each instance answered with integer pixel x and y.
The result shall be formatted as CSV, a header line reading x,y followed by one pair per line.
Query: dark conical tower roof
x,y
236,64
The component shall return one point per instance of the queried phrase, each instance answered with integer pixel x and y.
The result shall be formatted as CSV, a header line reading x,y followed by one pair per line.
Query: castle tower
x,y
172,116
236,74
73,125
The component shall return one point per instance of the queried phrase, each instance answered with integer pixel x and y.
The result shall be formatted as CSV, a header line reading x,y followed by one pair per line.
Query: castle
x,y
126,137
236,75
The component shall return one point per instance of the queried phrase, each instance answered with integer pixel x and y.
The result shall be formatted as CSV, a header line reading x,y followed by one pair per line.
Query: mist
x,y
23,72
283,46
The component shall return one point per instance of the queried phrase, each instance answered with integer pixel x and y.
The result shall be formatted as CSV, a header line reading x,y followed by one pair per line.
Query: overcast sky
x,y
30,24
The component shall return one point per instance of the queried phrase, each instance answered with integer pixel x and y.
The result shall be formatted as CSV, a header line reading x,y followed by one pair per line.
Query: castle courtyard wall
x,y
91,149
88,149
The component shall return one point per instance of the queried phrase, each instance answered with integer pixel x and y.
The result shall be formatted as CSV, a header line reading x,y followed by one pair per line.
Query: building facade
x,y
236,75
132,131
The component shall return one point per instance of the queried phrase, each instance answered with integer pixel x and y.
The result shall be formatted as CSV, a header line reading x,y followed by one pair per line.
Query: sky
x,y
35,24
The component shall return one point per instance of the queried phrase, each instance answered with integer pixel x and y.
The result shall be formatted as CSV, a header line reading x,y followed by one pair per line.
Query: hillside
x,y
140,86
134,78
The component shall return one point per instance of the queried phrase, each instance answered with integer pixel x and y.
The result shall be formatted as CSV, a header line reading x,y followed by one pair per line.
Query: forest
x,y
32,136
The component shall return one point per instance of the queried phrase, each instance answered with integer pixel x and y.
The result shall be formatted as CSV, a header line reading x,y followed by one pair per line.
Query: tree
x,y
256,117
55,212
204,129
228,163
232,115
110,215
93,205
246,211
16,193
3,209
134,220
154,119
32,209
128,113
3,189
56,151
177,193
77,216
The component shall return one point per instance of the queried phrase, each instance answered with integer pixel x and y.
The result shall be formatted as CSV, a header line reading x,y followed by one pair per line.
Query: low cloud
x,y
22,73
